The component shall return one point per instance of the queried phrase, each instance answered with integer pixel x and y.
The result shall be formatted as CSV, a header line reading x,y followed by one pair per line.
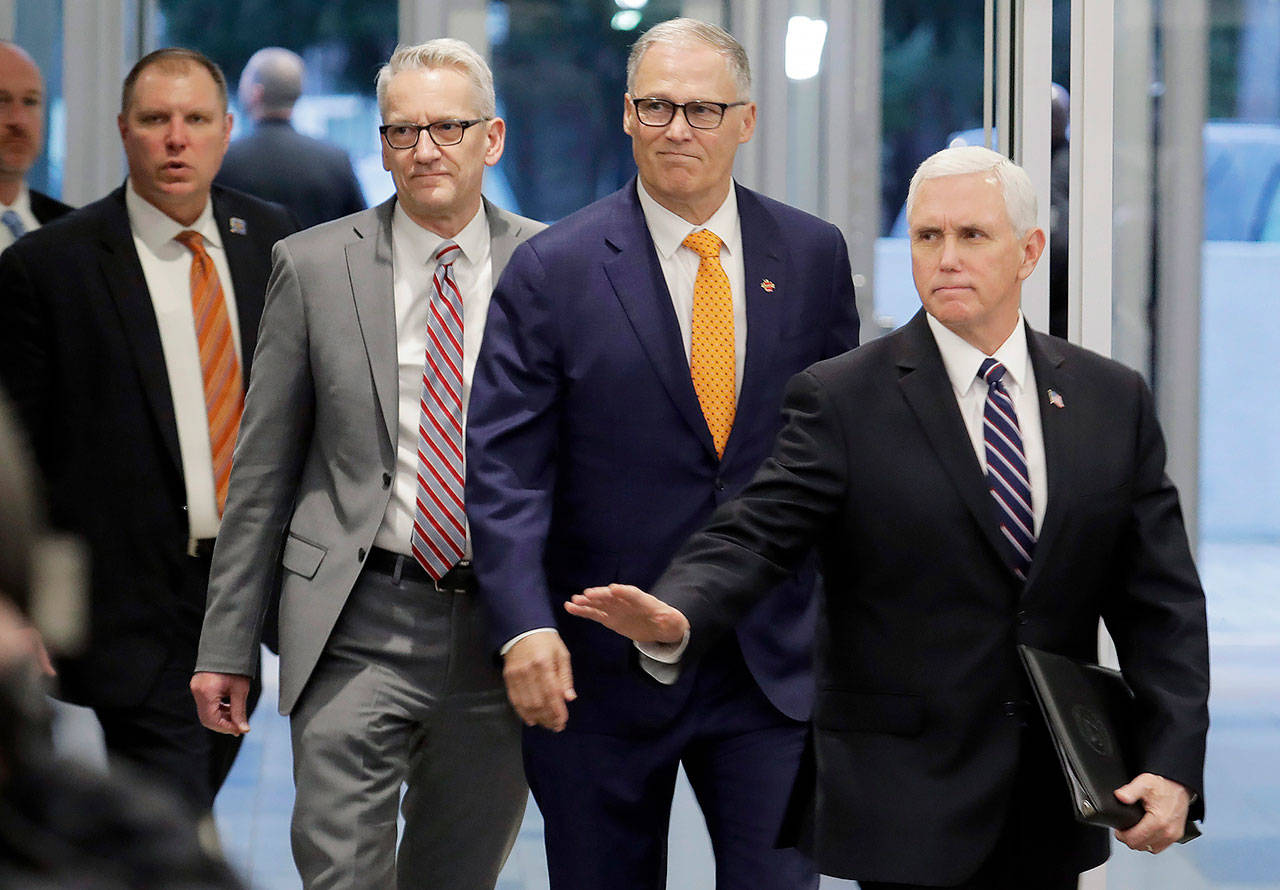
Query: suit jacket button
x,y
1022,617
386,480
361,554
719,484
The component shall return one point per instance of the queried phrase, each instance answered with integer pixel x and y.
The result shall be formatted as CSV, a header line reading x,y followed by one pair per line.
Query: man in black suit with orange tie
x,y
971,484
127,330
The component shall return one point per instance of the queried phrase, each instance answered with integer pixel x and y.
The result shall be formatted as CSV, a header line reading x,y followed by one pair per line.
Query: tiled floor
x,y
1240,849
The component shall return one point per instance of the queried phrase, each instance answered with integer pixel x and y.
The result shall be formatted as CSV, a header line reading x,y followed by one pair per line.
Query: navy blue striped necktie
x,y
1007,469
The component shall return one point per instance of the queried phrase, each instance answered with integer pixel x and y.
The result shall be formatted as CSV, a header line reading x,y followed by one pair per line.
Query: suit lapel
x,y
1060,441
927,389
373,289
764,260
640,287
504,237
122,270
242,258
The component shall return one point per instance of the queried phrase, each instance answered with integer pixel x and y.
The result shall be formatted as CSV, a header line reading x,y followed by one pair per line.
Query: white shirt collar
x,y
155,228
21,204
473,239
668,230
962,359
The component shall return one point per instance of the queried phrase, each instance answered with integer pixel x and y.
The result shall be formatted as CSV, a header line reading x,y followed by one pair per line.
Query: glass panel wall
x,y
932,93
560,73
1197,163
343,43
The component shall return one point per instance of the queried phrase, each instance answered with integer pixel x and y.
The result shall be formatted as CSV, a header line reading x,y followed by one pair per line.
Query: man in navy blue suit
x,y
630,381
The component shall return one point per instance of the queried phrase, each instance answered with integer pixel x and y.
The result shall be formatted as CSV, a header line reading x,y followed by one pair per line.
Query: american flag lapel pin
x,y
1056,400
237,226
767,286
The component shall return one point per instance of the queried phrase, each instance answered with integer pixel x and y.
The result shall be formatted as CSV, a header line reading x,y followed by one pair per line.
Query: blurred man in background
x,y
276,162
22,209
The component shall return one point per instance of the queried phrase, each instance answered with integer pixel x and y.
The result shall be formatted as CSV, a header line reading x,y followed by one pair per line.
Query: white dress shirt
x,y
22,206
962,361
413,269
680,266
166,266
680,269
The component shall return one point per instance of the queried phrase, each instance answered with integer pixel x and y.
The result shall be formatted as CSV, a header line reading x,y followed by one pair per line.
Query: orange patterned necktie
x,y
711,356
223,389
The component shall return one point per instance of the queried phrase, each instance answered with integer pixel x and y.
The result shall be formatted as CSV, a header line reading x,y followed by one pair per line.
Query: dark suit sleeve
x,y
757,539
1158,623
842,330
512,431
26,353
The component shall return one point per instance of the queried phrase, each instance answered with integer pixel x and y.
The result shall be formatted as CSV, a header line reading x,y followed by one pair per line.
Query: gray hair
x,y
1015,184
677,31
279,72
443,52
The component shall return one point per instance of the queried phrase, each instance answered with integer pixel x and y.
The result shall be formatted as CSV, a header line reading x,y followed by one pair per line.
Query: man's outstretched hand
x,y
631,612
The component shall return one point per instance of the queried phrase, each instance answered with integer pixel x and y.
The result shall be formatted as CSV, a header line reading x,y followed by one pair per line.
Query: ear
x,y
228,122
628,120
748,123
122,123
1032,247
495,141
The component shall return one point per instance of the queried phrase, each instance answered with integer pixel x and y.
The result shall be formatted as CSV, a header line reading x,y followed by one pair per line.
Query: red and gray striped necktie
x,y
1007,469
439,524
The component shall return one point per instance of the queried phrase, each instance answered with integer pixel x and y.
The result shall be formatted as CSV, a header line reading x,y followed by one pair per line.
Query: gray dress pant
x,y
407,691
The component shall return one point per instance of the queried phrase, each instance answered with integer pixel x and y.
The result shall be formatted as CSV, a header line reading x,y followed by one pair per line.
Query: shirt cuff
x,y
506,647
667,653
661,661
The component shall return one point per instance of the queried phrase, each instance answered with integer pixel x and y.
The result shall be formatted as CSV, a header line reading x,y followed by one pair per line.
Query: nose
x,y
950,252
175,135
679,130
426,150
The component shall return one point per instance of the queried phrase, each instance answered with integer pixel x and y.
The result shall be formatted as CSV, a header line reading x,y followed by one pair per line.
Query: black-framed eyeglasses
x,y
442,133
700,113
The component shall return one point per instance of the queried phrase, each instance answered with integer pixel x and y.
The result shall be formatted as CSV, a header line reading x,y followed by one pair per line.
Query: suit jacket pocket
x,y
884,712
301,557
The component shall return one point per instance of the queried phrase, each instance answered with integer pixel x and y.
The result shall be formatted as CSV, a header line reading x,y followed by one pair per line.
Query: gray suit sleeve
x,y
275,434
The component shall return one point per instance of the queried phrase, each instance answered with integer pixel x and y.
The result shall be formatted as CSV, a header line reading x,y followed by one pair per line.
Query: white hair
x,y
675,31
443,52
1015,184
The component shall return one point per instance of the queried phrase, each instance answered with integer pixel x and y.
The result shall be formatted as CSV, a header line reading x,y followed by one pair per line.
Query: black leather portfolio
x,y
1087,708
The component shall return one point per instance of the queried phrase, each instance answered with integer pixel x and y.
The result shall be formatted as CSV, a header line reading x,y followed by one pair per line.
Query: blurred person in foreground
x,y
971,484
64,826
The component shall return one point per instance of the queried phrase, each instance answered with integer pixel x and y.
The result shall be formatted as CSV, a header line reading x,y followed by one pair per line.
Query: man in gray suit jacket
x,y
346,490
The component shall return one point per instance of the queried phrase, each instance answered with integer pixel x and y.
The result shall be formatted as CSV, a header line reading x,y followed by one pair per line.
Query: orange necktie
x,y
711,356
223,389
